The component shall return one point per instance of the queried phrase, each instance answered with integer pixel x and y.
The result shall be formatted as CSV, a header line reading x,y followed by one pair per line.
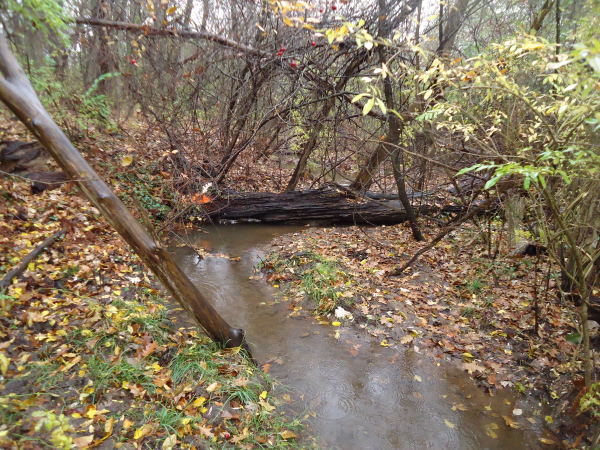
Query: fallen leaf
x,y
83,441
212,387
511,423
170,442
451,425
287,434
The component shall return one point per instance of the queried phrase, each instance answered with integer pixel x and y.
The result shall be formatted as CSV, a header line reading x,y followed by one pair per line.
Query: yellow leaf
x,y
127,424
491,433
108,425
549,419
185,421
171,10
263,395
384,343
76,416
418,378
336,324
288,22
126,161
198,402
4,363
287,434
451,425
532,46
212,387
31,267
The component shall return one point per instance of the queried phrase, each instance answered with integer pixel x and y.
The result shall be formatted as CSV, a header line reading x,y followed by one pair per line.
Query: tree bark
x,y
539,19
17,93
394,131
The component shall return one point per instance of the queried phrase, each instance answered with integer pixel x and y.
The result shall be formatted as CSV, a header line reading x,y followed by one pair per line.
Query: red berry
x,y
226,435
293,64
279,53
333,7
320,9
132,61
313,43
282,49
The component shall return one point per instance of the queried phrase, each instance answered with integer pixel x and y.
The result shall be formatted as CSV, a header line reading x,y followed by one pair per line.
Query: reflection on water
x,y
361,395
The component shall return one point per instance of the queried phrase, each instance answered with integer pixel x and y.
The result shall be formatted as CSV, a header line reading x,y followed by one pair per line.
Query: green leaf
x,y
565,176
526,183
467,169
492,182
575,338
368,106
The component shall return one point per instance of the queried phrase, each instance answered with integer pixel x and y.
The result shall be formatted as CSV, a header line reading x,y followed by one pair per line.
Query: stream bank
x,y
89,357
356,393
455,305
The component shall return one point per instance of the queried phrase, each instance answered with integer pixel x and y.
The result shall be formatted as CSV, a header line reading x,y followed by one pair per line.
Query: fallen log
x,y
15,154
42,181
18,270
324,206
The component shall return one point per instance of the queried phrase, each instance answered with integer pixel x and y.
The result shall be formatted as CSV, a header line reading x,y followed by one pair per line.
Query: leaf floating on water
x,y
491,433
418,378
417,395
547,441
287,434
451,425
549,419
511,423
517,412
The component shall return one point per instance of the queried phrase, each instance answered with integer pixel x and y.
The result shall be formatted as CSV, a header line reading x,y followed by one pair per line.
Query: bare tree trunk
x,y
17,93
394,131
539,20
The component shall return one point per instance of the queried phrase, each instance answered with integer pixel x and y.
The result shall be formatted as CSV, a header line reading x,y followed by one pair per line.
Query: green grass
x,y
322,280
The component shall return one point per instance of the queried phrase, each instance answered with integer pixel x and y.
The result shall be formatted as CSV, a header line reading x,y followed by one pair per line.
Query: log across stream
x,y
371,398
324,206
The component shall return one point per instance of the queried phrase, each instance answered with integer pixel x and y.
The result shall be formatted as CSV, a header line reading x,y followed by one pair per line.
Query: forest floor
x,y
89,353
455,303
90,357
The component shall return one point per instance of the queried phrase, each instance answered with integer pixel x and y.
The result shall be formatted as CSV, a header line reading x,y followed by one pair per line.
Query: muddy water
x,y
360,395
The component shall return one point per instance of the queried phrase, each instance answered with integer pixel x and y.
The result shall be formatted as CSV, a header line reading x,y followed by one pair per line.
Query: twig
x,y
441,236
16,271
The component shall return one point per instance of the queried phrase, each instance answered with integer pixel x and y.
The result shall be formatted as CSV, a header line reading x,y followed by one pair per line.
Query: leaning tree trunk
x,y
17,93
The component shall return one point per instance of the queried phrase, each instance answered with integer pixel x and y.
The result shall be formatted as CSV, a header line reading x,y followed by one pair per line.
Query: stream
x,y
358,395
